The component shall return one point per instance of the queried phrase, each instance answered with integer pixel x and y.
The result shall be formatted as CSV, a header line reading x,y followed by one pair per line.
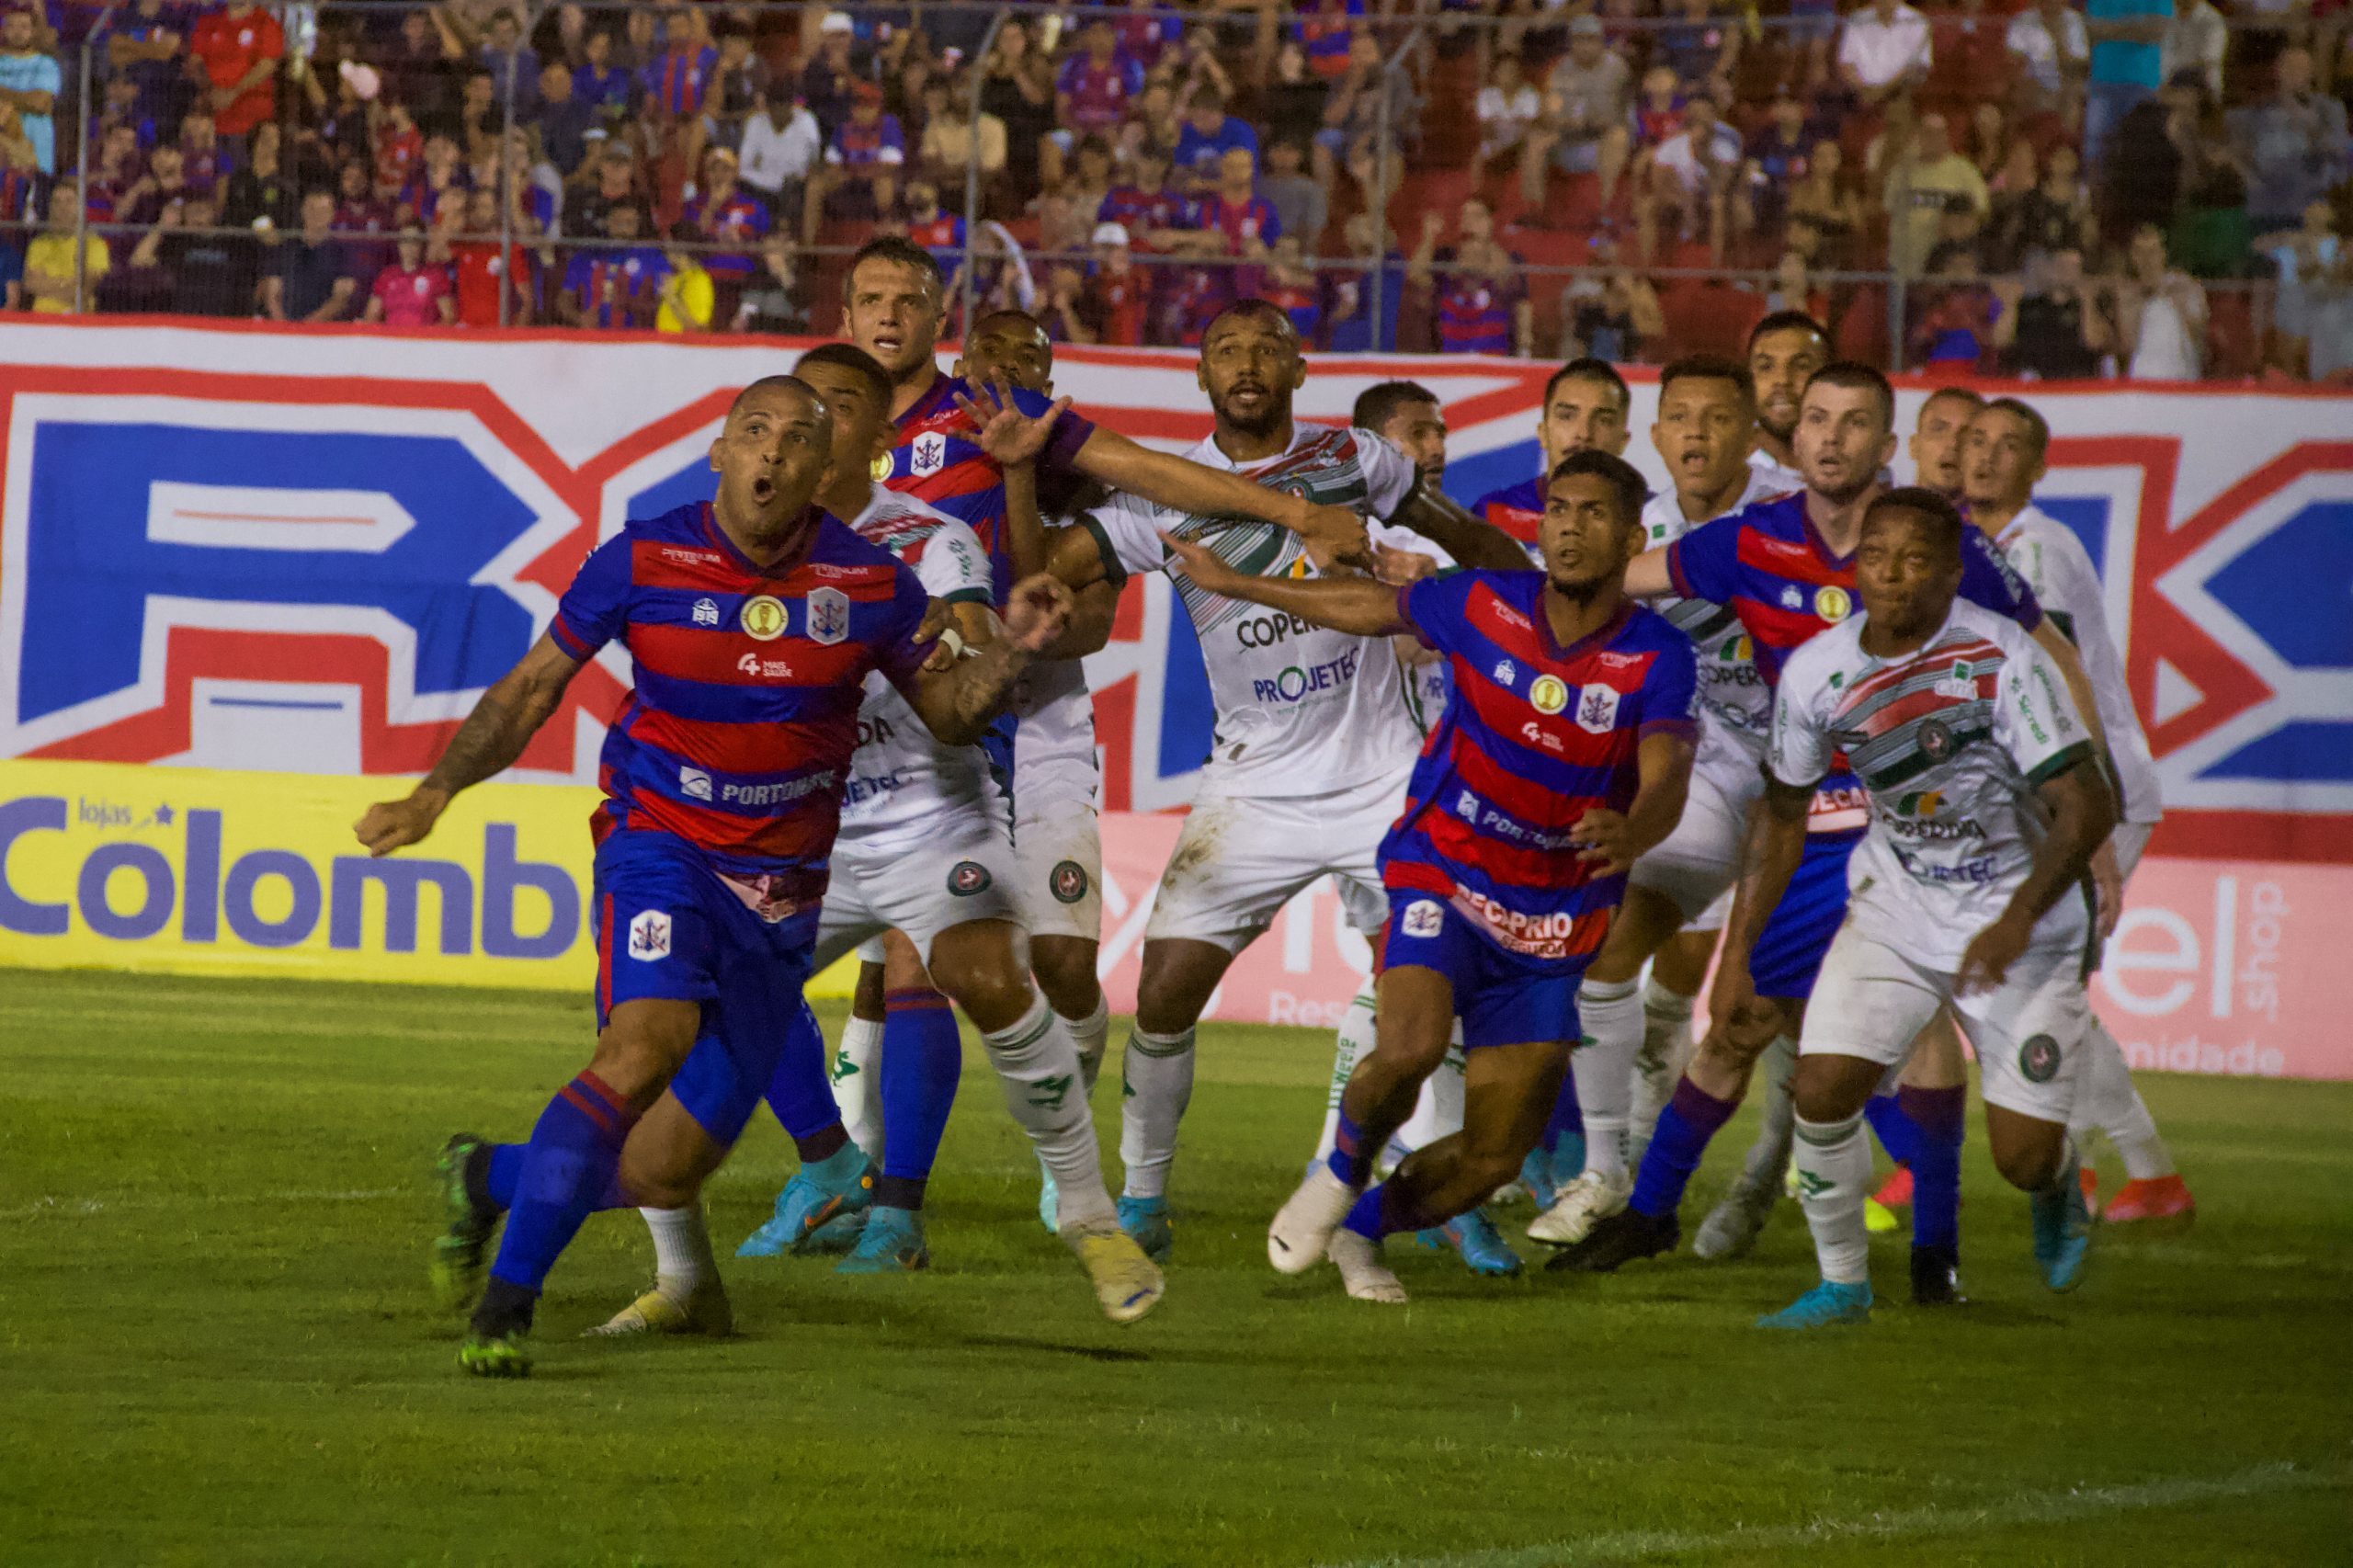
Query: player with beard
x,y
1784,351
1586,408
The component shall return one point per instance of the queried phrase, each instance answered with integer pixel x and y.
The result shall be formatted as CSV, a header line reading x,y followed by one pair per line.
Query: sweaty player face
x,y
1250,366
1582,415
1906,572
1999,464
1585,542
1842,440
1704,433
770,456
1936,443
1418,430
1781,361
894,312
860,422
1009,350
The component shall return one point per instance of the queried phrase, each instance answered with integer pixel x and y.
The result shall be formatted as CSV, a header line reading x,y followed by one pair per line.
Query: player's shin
x,y
1355,1041
922,1061
1611,1015
1935,1119
1770,1153
2108,1102
1666,1050
570,1162
1834,1176
1090,1036
1039,1067
1157,1085
858,1083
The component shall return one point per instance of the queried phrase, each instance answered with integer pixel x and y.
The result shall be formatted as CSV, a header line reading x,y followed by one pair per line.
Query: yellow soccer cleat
x,y
1127,1283
664,1310
1877,1218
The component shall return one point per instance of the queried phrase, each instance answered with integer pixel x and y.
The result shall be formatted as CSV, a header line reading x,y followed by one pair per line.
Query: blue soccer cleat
x,y
1823,1306
816,1212
1536,1175
1146,1219
1482,1246
2063,1233
891,1243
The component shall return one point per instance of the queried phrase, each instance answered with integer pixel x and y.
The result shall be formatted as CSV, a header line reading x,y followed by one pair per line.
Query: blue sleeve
x,y
1671,694
595,609
1433,608
1990,581
1705,563
1070,432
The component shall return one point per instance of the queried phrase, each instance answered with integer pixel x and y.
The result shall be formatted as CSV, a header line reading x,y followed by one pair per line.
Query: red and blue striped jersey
x,y
1135,209
1474,314
939,462
1519,510
678,79
1533,736
738,736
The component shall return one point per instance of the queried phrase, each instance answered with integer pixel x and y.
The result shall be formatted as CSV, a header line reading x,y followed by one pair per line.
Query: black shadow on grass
x,y
1019,1342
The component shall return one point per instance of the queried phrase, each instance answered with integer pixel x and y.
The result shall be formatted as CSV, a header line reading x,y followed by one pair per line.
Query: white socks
x,y
1770,1153
1611,1018
1438,1111
857,1083
682,1258
1159,1083
1039,1068
1833,1172
1355,1038
1666,1052
2105,1101
1089,1035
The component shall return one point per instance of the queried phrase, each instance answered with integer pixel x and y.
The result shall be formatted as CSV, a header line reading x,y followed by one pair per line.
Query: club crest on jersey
x,y
967,878
1068,881
2039,1058
1833,603
693,782
1506,671
1468,806
705,612
1549,695
763,618
1936,741
828,616
649,936
1423,917
1791,598
1597,709
928,455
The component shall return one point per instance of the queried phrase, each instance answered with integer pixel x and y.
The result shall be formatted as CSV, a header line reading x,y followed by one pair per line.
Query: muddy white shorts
x,y
1240,859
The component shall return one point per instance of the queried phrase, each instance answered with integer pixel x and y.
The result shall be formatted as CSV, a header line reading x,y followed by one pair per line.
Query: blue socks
x,y
504,1168
1937,1116
1690,1118
923,1059
570,1163
1384,1210
1894,1129
1350,1159
1563,1140
799,1091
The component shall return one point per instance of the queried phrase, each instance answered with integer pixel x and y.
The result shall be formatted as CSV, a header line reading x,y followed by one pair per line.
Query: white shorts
x,y
2132,841
959,867
1870,1001
1713,918
1241,858
1058,847
1699,862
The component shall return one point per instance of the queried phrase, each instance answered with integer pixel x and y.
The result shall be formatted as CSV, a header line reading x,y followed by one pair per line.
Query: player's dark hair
x,y
1786,320
1710,367
1621,476
2026,413
1589,369
1008,314
781,383
1379,401
1251,305
1943,518
1974,400
1853,375
851,357
900,251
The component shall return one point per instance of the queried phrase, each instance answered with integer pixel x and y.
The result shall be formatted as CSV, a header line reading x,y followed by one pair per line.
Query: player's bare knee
x,y
1065,968
1173,984
2030,1164
866,1002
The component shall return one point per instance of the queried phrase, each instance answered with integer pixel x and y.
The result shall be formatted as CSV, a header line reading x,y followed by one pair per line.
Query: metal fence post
x,y
1897,315
506,271
971,171
1384,135
80,173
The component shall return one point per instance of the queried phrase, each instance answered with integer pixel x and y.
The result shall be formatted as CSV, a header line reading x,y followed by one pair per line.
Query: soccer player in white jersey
x,y
2002,453
1784,351
1677,894
1315,736
1987,802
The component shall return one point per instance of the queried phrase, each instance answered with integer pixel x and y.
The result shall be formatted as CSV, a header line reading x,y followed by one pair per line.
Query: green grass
x,y
218,1347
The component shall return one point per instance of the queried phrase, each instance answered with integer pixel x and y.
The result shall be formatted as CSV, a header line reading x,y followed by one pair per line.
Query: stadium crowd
x,y
2156,189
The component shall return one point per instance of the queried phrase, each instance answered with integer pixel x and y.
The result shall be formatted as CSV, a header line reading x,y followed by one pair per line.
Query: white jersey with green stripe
x,y
1735,705
1301,709
1951,742
899,775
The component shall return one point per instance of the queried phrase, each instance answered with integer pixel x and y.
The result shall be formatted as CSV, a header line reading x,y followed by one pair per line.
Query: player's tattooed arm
x,y
1770,850
487,744
1472,541
1614,841
1360,604
2083,813
958,704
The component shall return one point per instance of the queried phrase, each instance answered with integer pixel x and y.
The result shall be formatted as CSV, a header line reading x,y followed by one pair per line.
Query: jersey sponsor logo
x,y
1298,682
828,616
1269,630
1543,935
2039,1058
649,936
1597,709
1422,919
1609,661
774,669
763,618
776,794
1068,881
928,455
968,877
1833,604
1791,598
705,612
1961,681
691,557
693,782
1536,735
1549,694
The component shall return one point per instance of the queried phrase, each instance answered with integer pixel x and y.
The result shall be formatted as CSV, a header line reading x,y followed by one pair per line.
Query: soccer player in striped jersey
x,y
1562,757
752,620
2002,453
1585,407
1986,802
1784,351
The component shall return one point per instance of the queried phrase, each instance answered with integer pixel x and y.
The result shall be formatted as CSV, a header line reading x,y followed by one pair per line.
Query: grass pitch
x,y
213,1213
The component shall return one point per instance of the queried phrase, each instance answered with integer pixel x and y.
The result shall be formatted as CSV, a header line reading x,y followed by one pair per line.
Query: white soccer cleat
x,y
1733,1226
1304,1226
1583,1204
1362,1271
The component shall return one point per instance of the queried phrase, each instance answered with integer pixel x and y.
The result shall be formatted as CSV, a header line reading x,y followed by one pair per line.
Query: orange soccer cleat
x,y
2152,1198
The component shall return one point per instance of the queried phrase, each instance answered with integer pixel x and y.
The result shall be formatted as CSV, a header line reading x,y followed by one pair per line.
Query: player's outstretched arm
x,y
1614,840
958,704
1769,854
2083,813
1331,533
1469,540
1359,605
490,740
1647,576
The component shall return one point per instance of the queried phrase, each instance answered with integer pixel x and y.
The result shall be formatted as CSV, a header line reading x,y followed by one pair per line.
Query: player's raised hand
x,y
1607,840
1986,962
1205,566
393,825
1036,612
1006,433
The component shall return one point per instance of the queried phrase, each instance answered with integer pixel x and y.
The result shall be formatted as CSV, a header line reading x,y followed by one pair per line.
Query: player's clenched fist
x,y
393,824
1036,612
1334,535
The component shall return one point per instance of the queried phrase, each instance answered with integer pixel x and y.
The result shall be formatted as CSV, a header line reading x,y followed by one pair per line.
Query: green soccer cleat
x,y
1821,1307
457,1265
496,1355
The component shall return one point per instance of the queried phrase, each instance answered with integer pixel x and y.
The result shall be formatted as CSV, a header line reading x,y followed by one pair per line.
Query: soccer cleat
x,y
1896,1192
1935,1277
1878,1219
2150,1197
456,1268
807,1206
1361,1270
1622,1237
891,1243
1303,1225
1582,1204
1146,1219
665,1310
2062,1234
1482,1246
496,1355
1536,1179
1821,1307
1733,1226
1127,1283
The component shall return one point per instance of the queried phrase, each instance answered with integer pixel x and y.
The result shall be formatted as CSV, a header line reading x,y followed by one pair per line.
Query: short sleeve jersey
x,y
1519,510
900,773
1534,735
1950,743
1301,709
738,736
939,460
1735,710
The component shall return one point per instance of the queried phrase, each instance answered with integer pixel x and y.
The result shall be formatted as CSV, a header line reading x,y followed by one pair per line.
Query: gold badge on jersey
x,y
1549,694
763,618
1833,603
880,468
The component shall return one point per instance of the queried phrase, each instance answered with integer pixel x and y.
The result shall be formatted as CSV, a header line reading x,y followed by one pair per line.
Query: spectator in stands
x,y
949,147
1658,109
2053,329
1612,316
1117,301
2301,258
1584,126
938,230
261,194
1291,98
1233,222
563,120
49,259
240,47
487,270
780,146
1210,134
2125,64
1957,316
30,83
1351,324
1691,180
1289,285
1479,301
2141,173
206,161
211,274
311,274
722,212
2293,142
1018,87
143,51
1794,288
1699,44
830,72
163,182
1092,90
1327,31
1813,27
683,296
514,65
739,85
410,290
2160,313
616,185
1506,107
113,172
611,287
1299,202
860,176
359,211
2195,40
2329,344
1883,51
1353,116
1775,161
1086,181
1827,202
1923,178
772,303
600,81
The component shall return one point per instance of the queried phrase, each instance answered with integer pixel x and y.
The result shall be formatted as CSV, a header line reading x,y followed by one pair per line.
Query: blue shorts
x,y
1797,934
1502,998
668,930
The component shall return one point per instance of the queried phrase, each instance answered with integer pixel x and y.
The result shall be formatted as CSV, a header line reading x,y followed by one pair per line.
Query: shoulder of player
x,y
1524,496
1999,630
846,558
1812,662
